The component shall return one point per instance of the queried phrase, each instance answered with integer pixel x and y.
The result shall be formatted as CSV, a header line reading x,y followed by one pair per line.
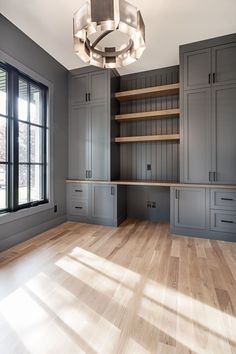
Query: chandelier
x,y
108,33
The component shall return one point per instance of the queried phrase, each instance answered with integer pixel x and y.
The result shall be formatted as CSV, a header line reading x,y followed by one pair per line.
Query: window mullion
x,y
15,147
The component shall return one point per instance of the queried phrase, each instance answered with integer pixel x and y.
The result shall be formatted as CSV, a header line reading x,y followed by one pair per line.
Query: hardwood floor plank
x,y
135,289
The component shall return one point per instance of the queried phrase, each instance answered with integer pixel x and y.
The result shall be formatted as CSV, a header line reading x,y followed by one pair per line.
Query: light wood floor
x,y
93,289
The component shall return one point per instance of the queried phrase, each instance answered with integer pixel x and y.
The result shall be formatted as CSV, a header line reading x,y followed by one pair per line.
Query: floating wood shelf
x,y
148,92
133,139
164,113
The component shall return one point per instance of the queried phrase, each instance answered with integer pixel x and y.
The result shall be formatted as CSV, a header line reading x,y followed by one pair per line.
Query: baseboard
x,y
27,234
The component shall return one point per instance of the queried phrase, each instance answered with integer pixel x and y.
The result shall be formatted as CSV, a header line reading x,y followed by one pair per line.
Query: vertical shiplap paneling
x,y
163,156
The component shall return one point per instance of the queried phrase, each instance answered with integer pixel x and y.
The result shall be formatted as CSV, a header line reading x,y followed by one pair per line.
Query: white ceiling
x,y
169,23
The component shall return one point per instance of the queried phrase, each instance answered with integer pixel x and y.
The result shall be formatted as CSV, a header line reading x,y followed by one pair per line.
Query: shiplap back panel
x,y
163,156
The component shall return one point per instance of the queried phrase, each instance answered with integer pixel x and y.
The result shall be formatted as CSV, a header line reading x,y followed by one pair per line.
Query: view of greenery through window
x,y
31,130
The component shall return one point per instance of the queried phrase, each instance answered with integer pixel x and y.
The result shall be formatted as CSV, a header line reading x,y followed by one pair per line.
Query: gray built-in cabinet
x,y
208,109
90,126
96,203
204,212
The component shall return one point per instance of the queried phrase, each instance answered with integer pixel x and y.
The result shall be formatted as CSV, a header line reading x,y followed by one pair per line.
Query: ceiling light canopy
x,y
109,33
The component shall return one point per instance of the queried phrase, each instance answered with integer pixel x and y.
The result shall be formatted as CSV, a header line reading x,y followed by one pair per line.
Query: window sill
x,y
9,217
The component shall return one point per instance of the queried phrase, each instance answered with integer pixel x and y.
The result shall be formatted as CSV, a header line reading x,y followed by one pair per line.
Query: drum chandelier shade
x,y
108,33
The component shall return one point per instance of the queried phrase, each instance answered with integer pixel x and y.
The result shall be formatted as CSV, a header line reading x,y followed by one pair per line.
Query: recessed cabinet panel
x,y
78,191
78,142
190,208
78,208
103,201
223,221
223,199
197,134
224,64
197,67
99,142
98,86
78,89
224,133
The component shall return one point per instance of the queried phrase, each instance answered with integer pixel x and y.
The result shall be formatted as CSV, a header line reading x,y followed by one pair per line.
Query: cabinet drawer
x,y
78,191
223,221
79,208
223,199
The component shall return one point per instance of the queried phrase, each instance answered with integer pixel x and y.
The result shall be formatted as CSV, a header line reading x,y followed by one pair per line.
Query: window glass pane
x,y
3,139
36,182
35,105
23,142
36,148
3,186
23,184
23,100
3,92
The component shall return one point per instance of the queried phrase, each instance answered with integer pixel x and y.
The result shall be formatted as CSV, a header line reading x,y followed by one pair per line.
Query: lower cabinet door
x,y
190,208
103,203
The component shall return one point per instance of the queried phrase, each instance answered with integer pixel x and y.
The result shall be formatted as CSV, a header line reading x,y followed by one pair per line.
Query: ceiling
x,y
169,23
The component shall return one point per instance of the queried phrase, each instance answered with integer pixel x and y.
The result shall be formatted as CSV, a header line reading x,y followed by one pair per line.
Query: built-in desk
x,y
200,210
155,184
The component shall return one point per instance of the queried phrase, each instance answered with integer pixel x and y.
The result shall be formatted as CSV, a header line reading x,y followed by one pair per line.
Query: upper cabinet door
x,y
99,138
78,142
197,135
79,89
224,130
98,86
224,64
197,69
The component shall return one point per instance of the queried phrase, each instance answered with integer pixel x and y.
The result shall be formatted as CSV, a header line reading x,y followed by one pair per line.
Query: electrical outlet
x,y
149,167
55,208
149,204
154,205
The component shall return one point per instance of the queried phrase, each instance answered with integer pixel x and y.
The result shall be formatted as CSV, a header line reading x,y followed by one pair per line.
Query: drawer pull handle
x,y
78,207
227,221
229,199
78,190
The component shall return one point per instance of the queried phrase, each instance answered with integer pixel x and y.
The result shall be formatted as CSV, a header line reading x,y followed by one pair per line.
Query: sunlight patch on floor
x,y
36,329
96,280
213,319
111,269
96,331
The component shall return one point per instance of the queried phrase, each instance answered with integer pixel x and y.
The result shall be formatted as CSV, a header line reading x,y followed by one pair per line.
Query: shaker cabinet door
x,y
224,134
78,142
197,67
99,146
190,208
98,86
224,64
197,135
103,202
79,87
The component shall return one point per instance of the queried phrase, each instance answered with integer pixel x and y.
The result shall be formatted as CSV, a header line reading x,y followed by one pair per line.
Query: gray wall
x,y
16,44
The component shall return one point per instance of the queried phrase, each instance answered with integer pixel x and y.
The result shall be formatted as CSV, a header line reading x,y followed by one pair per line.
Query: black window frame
x,y
12,159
